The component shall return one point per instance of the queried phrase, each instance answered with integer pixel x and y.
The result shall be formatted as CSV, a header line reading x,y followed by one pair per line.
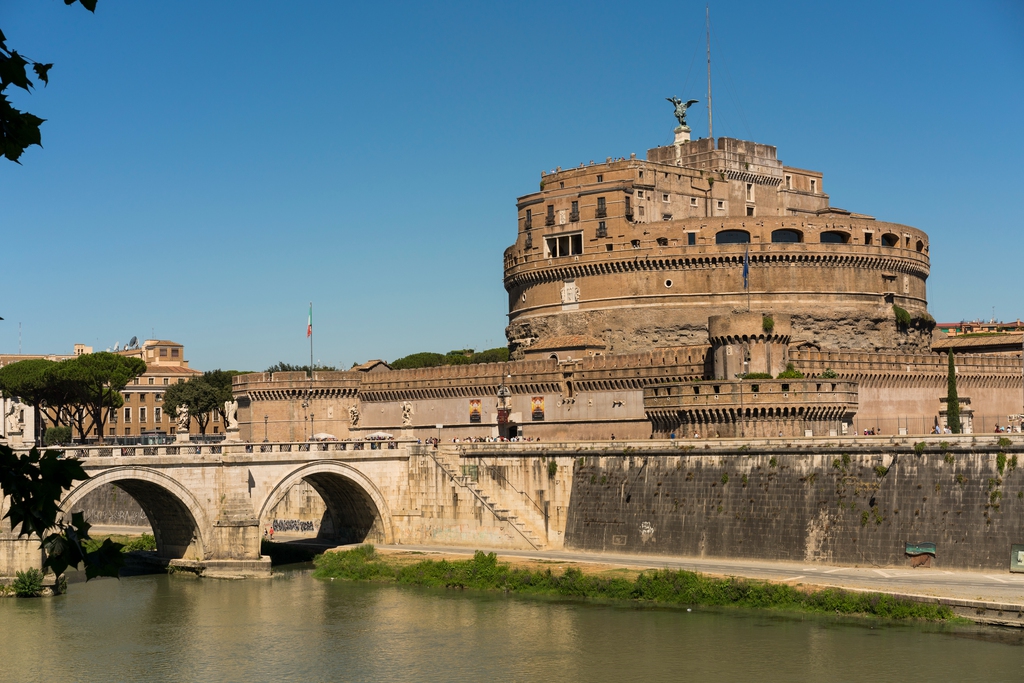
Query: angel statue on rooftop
x,y
681,108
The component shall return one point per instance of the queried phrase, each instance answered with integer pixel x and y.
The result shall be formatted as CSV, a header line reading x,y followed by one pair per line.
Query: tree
x,y
198,395
101,377
35,484
27,379
221,382
19,129
952,400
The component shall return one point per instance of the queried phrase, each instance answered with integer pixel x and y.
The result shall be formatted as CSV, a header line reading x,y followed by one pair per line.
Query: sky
x,y
209,168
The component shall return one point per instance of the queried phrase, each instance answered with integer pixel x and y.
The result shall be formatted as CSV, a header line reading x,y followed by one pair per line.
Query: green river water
x,y
297,628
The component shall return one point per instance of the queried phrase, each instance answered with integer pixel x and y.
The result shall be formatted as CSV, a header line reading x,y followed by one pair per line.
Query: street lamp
x,y
266,418
312,431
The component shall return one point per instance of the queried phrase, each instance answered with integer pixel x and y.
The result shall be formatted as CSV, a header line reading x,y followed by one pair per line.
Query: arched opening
x,y
786,236
834,237
170,513
732,237
328,501
890,240
920,245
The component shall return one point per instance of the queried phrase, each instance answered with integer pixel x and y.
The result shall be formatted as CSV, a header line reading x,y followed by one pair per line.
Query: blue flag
x,y
746,267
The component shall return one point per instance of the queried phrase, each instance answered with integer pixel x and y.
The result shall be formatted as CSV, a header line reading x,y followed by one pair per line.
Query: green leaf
x,y
41,71
17,131
106,560
12,71
87,4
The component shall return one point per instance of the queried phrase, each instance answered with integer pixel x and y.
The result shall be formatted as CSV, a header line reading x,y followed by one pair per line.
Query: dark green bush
x,y
790,373
57,436
757,375
28,584
902,317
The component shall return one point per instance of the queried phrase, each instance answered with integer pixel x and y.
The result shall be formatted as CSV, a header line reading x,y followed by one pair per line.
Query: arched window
x,y
920,245
890,240
832,237
732,237
786,236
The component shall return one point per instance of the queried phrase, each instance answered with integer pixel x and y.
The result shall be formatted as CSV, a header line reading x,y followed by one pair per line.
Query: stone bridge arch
x,y
180,524
356,509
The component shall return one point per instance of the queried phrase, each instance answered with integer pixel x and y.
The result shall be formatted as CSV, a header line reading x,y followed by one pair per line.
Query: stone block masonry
x,y
837,504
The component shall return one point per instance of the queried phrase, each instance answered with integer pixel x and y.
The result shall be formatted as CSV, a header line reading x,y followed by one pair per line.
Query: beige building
x,y
143,411
630,317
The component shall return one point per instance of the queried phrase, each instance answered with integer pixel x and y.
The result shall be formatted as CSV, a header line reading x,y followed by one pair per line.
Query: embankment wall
x,y
832,504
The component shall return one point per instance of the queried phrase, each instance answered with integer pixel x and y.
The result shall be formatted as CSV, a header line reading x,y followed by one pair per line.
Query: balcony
x,y
601,212
549,219
602,231
574,216
528,223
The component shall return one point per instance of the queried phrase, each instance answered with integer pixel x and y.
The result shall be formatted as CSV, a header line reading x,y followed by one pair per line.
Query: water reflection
x,y
292,627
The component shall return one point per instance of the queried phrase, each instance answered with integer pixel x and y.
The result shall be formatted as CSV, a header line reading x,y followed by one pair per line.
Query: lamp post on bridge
x,y
266,419
504,394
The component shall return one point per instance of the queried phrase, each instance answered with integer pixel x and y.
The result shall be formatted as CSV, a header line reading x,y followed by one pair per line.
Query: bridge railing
x,y
86,452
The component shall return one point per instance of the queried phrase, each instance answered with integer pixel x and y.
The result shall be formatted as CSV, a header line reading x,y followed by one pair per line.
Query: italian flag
x,y
309,325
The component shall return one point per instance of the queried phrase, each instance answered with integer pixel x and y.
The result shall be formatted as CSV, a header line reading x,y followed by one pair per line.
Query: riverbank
x,y
681,588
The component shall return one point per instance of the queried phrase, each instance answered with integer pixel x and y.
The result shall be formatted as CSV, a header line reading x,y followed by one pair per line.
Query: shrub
x,y
829,374
1001,462
790,373
767,324
28,584
902,317
756,375
919,447
1004,442
57,436
552,469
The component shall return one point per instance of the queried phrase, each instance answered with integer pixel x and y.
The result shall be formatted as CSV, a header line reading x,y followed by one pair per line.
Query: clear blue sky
x,y
210,167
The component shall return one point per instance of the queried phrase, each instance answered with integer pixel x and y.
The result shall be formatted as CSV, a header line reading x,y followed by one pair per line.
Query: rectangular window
x,y
135,381
127,414
529,219
641,175
750,192
549,219
721,205
113,431
150,380
640,193
112,416
166,380
868,238
750,211
814,186
664,197
174,353
602,229
158,397
789,182
564,245
574,213
602,207
127,431
142,414
163,353
600,178
142,398
158,415
691,238
216,416
693,201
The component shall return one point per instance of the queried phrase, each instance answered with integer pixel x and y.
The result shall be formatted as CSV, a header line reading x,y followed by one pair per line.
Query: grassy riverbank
x,y
485,572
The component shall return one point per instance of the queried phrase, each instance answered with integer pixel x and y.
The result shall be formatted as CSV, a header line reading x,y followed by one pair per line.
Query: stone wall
x,y
857,504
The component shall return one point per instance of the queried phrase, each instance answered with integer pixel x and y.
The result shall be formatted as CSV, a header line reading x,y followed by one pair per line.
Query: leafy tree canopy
x,y
26,379
288,367
198,395
19,129
427,359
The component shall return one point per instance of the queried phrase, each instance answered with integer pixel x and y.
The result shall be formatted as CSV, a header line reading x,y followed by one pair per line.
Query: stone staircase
x,y
448,461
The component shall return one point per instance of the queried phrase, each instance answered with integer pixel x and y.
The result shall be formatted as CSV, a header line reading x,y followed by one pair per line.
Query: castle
x,y
664,298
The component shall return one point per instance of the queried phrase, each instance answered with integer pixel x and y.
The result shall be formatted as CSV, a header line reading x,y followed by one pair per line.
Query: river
x,y
297,628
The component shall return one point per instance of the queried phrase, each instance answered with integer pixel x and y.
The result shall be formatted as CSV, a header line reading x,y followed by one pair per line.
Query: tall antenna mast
x,y
707,23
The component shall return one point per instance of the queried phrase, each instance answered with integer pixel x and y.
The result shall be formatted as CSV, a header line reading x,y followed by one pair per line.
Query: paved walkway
x,y
939,583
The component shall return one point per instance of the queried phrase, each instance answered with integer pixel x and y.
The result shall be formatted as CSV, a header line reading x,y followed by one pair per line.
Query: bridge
x,y
836,500
208,505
